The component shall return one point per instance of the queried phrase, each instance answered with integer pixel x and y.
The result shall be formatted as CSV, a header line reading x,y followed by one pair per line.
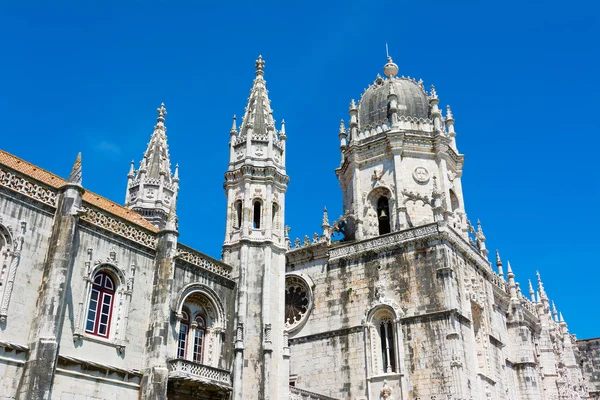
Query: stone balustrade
x,y
189,370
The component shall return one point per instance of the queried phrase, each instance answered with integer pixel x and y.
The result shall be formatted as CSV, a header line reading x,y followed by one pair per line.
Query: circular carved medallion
x,y
298,301
421,175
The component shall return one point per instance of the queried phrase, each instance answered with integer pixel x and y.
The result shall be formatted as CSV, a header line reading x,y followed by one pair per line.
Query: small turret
x,y
481,240
325,225
154,189
511,284
436,114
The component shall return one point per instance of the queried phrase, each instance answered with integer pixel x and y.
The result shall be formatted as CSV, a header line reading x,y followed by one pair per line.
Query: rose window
x,y
297,301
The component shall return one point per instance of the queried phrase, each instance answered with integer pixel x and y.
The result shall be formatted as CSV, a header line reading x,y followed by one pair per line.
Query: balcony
x,y
192,372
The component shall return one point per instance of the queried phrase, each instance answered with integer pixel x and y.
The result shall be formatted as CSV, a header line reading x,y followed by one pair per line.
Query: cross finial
x,y
162,111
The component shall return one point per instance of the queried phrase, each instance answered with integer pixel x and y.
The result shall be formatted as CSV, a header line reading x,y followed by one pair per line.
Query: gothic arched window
x,y
100,305
383,215
256,219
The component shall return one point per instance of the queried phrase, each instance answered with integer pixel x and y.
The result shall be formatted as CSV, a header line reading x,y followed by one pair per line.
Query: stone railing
x,y
189,370
499,282
300,394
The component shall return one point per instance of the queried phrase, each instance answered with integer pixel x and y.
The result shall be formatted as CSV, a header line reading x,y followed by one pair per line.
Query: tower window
x,y
256,221
237,224
383,215
100,305
199,339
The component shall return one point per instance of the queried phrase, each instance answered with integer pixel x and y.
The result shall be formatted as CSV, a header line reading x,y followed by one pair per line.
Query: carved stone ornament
x,y
421,175
386,392
451,176
298,301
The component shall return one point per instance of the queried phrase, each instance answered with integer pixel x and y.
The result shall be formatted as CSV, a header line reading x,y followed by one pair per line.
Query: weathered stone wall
x,y
15,209
95,250
589,359
73,386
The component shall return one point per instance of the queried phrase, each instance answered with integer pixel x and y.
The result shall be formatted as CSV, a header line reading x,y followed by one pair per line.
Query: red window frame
x,y
184,330
100,305
199,338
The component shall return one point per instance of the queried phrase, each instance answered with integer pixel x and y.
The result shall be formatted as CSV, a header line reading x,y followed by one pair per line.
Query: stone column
x,y
40,365
191,339
156,373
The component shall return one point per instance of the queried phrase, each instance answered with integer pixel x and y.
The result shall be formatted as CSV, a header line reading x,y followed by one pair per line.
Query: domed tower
x,y
400,166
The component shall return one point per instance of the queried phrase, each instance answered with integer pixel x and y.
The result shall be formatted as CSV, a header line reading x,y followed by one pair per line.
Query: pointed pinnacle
x,y
176,174
531,292
162,111
131,173
498,260
560,318
449,116
342,127
282,131
325,217
75,176
233,126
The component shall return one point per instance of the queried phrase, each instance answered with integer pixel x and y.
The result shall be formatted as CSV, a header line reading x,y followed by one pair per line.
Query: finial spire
x,y
554,312
325,217
176,174
260,66
131,173
233,130
282,131
531,292
390,69
75,176
162,111
541,286
499,265
433,93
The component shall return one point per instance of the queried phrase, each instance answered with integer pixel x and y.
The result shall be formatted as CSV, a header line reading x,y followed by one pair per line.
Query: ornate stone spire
x,y
499,265
75,176
258,138
541,289
531,292
153,190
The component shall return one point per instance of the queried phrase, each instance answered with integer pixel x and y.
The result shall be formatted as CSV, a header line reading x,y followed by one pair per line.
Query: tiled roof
x,y
54,181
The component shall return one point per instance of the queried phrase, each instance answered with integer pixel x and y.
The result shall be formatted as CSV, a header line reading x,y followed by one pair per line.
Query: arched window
x,y
199,335
383,342
388,351
184,328
383,215
238,215
257,207
100,305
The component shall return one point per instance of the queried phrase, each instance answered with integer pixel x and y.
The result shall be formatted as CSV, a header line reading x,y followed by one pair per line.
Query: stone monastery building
x,y
396,299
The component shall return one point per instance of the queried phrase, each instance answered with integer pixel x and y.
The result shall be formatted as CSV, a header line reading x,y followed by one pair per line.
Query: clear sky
x,y
521,77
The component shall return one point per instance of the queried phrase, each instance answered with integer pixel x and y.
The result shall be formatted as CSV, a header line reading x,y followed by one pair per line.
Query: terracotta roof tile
x,y
56,182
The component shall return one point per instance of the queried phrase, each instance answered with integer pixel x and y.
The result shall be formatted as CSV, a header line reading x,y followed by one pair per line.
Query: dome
x,y
373,105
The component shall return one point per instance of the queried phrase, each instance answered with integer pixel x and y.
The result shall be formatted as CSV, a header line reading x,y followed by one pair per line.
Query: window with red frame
x,y
184,328
199,339
100,305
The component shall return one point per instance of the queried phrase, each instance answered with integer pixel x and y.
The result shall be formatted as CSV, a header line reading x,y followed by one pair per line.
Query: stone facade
x,y
395,299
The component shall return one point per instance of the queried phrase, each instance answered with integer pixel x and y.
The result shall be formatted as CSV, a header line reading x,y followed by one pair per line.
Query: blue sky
x,y
521,77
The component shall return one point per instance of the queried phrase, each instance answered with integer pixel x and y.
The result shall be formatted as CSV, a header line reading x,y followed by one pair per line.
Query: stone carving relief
x,y
421,175
10,256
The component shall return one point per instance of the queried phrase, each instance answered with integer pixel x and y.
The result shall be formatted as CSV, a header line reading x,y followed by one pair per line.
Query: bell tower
x,y
400,166
255,186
